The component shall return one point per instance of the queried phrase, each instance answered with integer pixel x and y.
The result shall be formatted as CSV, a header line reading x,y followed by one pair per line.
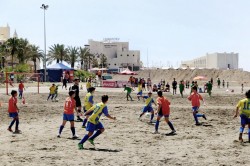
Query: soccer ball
x,y
148,114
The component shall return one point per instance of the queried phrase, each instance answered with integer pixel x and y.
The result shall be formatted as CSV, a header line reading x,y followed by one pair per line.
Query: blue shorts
x,y
92,127
13,115
195,109
68,117
244,119
147,109
90,113
139,93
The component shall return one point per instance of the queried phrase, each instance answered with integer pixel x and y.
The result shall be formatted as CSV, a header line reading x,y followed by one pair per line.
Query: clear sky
x,y
171,30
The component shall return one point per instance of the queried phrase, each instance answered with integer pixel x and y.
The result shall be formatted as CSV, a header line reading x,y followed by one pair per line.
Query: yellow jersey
x,y
88,101
244,106
98,109
88,85
139,87
52,89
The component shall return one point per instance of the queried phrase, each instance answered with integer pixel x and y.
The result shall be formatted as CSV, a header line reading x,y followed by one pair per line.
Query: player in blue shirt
x,y
148,105
94,123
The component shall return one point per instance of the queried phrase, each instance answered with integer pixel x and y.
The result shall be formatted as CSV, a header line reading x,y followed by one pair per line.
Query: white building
x,y
214,61
117,53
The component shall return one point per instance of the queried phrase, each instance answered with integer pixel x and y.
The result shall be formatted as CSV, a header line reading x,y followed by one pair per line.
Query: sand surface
x,y
126,141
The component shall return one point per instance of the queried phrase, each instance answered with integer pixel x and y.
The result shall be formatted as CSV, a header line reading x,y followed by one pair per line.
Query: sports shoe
x,y
79,119
172,132
91,141
204,116
80,146
75,137
198,124
155,132
10,130
58,136
17,132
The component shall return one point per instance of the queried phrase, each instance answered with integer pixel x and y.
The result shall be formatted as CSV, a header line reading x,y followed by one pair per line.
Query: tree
x,y
83,55
3,53
35,54
94,62
72,57
57,52
22,50
103,61
12,46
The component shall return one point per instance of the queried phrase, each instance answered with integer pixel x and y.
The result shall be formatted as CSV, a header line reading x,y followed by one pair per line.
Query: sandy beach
x,y
126,141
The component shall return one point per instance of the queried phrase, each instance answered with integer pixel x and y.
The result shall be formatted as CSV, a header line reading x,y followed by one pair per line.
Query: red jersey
x,y
21,86
69,105
195,99
164,105
12,105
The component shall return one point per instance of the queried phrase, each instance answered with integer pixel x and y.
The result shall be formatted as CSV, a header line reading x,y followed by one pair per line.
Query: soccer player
x,y
174,85
139,94
56,92
20,89
148,107
52,90
13,111
75,87
88,103
181,87
68,115
243,109
163,111
129,90
195,100
209,88
94,123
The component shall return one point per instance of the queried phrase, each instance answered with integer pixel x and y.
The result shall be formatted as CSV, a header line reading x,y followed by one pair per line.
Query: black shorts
x,y
78,102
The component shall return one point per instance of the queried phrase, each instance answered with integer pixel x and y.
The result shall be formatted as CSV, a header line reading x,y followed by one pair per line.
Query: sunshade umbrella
x,y
200,78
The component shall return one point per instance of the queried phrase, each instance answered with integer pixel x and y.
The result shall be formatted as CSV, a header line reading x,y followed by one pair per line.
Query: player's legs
x,y
90,128
169,123
249,130
72,127
100,129
15,117
157,123
17,124
244,121
49,96
63,124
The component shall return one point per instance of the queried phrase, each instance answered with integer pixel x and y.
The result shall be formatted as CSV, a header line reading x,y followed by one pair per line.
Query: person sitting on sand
x,y
88,103
148,106
243,109
195,101
13,111
94,123
163,110
68,115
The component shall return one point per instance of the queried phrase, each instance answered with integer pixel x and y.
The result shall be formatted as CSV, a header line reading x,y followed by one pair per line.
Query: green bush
x,y
82,75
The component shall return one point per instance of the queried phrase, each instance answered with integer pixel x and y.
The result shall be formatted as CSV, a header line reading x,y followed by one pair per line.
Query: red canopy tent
x,y
127,72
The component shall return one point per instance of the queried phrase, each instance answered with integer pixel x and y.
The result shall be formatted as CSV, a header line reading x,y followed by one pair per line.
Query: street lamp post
x,y
44,7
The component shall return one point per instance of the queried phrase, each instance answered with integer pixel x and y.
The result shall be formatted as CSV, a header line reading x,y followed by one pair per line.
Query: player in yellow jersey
x,y
148,106
139,94
243,109
94,123
88,103
88,85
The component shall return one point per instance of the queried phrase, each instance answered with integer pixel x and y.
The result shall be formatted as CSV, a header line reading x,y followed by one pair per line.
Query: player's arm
x,y
189,97
236,112
202,99
15,105
91,109
105,111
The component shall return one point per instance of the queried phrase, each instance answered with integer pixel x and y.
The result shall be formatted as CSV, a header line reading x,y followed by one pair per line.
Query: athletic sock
x,y
170,125
61,129
97,133
241,129
84,122
12,123
195,118
17,123
199,115
141,114
84,139
73,130
152,117
157,125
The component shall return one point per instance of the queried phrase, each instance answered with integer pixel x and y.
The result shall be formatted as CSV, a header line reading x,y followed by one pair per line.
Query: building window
x,y
133,55
128,55
115,64
109,64
121,54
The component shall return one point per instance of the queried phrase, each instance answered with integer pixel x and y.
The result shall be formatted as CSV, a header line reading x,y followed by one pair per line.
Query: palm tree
x,y
103,61
73,54
12,46
57,52
3,53
83,55
23,48
35,54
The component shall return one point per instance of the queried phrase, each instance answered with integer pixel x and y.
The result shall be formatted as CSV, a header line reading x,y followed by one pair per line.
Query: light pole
x,y
44,7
